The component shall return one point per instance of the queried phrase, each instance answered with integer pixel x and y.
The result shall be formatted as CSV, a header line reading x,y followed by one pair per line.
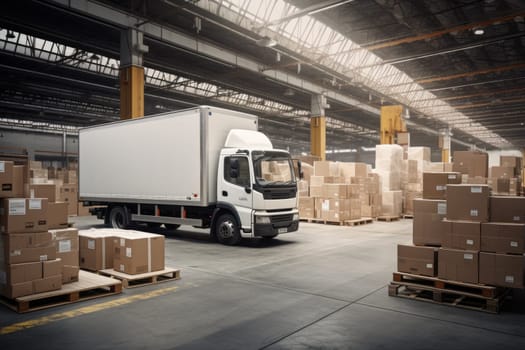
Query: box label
x,y
452,176
35,204
17,207
122,267
64,246
430,266
128,252
91,244
442,208
476,189
2,167
441,188
470,242
509,279
16,252
514,244
468,256
516,218
474,212
43,257
122,242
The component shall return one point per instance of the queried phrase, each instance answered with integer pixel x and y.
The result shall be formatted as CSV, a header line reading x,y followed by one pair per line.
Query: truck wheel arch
x,y
223,208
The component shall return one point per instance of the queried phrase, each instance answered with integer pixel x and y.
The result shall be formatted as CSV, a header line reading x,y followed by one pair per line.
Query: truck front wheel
x,y
118,217
227,230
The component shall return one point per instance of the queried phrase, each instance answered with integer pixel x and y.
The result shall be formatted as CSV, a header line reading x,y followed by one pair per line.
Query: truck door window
x,y
242,171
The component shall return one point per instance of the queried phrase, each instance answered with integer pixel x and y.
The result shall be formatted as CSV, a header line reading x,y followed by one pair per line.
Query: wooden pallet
x,y
387,218
323,221
89,286
452,293
361,221
143,279
407,216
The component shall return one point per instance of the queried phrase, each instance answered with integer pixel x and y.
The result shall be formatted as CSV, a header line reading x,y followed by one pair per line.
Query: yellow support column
x,y
391,122
131,92
318,137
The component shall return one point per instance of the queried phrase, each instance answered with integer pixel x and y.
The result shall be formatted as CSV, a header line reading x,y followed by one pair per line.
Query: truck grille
x,y
286,218
279,193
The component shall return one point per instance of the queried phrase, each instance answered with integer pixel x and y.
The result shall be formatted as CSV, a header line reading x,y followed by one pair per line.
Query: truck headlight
x,y
263,220
295,217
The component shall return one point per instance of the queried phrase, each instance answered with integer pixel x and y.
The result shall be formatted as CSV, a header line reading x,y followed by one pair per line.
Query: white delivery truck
x,y
205,167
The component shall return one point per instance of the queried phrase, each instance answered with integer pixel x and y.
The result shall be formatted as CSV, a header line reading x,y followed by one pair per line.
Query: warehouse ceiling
x,y
452,64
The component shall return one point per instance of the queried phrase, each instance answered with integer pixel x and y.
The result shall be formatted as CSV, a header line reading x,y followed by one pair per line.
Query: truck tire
x,y
118,217
227,230
172,227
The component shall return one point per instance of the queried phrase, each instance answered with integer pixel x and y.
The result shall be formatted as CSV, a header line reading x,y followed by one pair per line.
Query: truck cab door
x,y
236,187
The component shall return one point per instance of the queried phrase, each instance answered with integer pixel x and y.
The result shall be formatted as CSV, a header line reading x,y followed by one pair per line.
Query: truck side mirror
x,y
300,170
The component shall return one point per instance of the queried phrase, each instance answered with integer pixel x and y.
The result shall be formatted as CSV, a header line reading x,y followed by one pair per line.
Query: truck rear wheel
x,y
172,227
227,230
118,217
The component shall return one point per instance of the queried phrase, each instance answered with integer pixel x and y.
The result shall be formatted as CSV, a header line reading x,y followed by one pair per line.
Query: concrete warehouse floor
x,y
322,287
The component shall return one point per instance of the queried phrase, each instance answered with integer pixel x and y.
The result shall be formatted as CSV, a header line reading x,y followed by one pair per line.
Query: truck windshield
x,y
272,168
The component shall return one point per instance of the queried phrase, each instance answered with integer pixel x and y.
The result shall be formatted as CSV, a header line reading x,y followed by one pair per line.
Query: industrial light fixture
x,y
266,42
10,35
479,31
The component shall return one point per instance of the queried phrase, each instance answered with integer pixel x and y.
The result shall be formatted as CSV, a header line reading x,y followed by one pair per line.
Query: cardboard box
x,y
138,252
336,191
504,238
47,284
70,258
468,202
51,268
23,248
68,193
392,203
325,168
461,235
417,260
499,186
502,270
41,191
66,239
403,138
57,215
502,172
428,221
69,274
11,179
316,191
471,163
12,291
435,184
513,162
20,273
458,265
18,215
353,169
306,207
507,209
97,249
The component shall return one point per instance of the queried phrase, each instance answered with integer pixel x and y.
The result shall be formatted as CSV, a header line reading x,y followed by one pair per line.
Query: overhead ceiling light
x,y
479,31
266,42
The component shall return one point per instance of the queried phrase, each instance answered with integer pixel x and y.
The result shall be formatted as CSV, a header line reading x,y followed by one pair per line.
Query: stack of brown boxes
x,y
389,163
130,252
28,261
473,166
57,212
66,244
505,179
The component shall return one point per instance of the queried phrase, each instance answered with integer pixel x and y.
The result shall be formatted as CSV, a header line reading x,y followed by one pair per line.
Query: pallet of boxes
x,y
468,245
341,193
39,262
136,258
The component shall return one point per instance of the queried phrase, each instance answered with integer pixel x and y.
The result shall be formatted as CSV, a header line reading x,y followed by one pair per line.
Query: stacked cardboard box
x,y
28,260
505,179
389,162
67,249
57,212
131,252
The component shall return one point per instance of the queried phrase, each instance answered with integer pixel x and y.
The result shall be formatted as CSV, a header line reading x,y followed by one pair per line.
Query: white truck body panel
x,y
171,158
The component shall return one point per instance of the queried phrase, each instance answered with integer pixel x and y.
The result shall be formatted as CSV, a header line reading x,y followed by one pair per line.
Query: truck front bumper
x,y
274,225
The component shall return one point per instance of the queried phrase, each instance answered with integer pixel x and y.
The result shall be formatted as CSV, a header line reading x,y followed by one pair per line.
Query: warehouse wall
x,y
38,145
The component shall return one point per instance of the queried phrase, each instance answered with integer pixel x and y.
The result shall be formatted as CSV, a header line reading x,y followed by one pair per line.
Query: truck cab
x,y
257,183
